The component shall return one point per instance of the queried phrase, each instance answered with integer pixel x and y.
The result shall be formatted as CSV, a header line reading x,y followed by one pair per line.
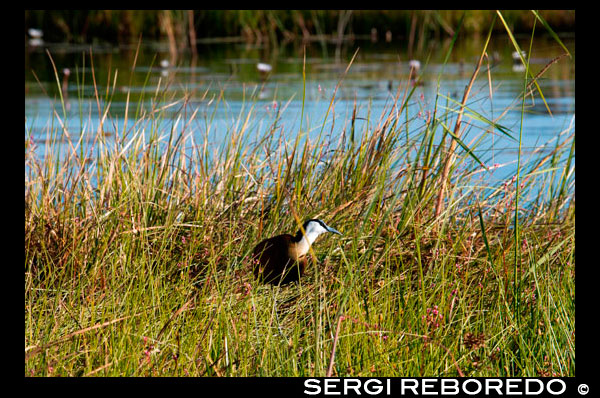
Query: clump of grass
x,y
137,249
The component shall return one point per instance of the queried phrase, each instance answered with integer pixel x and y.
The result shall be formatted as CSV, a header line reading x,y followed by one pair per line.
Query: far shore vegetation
x,y
274,26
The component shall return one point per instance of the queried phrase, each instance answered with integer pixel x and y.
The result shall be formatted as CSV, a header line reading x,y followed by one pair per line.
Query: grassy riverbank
x,y
137,247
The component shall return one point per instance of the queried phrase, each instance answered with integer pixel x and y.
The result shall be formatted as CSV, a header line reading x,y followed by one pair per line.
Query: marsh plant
x,y
138,240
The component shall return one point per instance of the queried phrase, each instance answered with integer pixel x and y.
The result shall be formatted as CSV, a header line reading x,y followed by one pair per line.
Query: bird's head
x,y
313,228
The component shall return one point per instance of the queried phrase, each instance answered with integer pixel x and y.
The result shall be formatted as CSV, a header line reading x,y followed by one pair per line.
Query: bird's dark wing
x,y
273,260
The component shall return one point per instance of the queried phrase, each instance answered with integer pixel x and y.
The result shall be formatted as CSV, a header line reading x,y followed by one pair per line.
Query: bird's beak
x,y
335,231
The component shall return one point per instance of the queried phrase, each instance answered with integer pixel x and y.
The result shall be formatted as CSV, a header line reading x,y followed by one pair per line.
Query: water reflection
x,y
239,74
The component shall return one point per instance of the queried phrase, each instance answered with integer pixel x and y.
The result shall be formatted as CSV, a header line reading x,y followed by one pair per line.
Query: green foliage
x,y
128,25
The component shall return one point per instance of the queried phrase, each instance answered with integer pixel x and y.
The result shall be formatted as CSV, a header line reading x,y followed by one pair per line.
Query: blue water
x,y
370,84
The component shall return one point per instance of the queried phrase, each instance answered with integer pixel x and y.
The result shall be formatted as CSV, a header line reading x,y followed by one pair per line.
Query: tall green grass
x,y
137,248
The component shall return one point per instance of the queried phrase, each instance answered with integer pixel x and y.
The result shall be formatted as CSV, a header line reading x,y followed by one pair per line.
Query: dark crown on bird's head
x,y
306,226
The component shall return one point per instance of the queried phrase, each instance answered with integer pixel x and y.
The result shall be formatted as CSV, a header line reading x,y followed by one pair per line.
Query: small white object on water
x,y
414,64
264,68
36,42
35,33
164,65
516,57
518,65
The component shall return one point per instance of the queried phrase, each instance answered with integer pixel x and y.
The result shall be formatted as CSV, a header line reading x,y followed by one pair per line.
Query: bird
x,y
282,259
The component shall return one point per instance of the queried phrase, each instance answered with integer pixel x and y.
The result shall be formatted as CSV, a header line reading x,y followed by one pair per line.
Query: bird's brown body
x,y
279,260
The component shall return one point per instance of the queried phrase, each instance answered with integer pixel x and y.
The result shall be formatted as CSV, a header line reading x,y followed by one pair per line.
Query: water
x,y
376,75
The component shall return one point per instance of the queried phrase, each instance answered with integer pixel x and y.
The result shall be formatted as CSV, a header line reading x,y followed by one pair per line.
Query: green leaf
x,y
462,144
549,29
477,116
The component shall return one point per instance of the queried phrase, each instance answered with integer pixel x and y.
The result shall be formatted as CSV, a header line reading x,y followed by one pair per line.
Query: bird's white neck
x,y
307,240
